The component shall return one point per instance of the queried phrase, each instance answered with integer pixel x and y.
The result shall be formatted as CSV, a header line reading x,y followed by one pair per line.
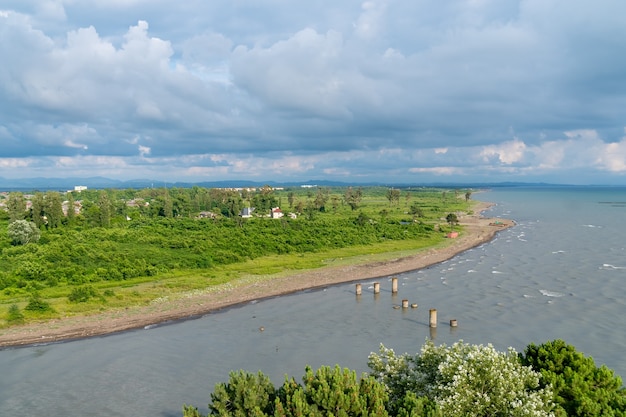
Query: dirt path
x,y
477,230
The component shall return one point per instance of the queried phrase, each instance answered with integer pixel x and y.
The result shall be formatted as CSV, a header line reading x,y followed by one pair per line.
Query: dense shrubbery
x,y
151,247
580,387
186,239
461,380
111,241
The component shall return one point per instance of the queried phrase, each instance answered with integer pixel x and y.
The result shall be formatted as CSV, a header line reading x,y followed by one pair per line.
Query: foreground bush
x,y
463,380
580,387
327,392
440,381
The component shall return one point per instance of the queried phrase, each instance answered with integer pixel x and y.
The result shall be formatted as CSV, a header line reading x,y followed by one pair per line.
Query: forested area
x,y
462,380
85,246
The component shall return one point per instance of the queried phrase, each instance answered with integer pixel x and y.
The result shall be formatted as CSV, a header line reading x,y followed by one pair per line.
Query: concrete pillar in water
x,y
432,321
376,287
405,303
358,289
453,323
394,285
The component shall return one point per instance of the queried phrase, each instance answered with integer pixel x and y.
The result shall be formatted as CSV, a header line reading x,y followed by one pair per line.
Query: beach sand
x,y
477,230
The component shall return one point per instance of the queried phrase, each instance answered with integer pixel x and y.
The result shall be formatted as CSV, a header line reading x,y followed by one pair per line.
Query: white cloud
x,y
344,90
613,157
507,152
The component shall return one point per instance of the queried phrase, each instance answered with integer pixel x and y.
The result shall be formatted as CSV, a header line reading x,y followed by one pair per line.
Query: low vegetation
x,y
463,380
82,252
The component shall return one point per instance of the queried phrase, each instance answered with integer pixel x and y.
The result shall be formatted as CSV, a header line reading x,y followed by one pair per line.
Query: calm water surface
x,y
560,273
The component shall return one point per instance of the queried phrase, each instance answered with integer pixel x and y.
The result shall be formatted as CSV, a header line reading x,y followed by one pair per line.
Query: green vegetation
x,y
82,252
459,380
580,387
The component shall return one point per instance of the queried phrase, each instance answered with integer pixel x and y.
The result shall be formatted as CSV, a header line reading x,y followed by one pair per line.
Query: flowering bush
x,y
464,380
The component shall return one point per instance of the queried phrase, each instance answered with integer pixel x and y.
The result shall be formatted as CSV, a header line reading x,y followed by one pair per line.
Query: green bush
x,y
15,316
580,387
38,305
82,294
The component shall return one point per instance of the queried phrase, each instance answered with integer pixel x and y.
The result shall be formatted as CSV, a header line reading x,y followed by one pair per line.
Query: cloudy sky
x,y
394,91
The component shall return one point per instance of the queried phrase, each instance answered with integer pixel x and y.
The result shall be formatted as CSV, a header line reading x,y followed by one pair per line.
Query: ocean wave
x,y
551,293
610,267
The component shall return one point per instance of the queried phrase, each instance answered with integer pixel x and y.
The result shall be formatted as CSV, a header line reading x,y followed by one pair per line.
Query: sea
x,y
559,273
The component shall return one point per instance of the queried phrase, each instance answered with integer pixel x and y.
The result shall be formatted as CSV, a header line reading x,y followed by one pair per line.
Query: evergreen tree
x,y
104,209
53,209
37,209
580,387
16,205
71,213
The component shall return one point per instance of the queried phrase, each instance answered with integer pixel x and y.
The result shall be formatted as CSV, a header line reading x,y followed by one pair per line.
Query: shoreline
x,y
477,231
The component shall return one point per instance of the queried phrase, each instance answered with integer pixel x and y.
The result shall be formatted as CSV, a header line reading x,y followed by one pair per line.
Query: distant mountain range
x,y
64,184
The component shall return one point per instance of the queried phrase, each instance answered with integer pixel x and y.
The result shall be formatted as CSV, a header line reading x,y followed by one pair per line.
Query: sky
x,y
388,91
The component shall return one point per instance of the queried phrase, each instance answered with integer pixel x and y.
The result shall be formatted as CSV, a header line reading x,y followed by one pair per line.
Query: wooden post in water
x,y
405,303
358,289
394,285
453,323
376,287
432,322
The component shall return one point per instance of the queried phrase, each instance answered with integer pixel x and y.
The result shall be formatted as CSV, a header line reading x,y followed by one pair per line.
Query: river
x,y
559,273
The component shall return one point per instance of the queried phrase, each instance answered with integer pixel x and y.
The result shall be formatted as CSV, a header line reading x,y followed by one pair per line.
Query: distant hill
x,y
64,184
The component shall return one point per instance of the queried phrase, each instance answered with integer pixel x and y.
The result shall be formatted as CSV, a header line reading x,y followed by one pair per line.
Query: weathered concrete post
x,y
358,289
405,303
453,323
376,287
432,322
394,285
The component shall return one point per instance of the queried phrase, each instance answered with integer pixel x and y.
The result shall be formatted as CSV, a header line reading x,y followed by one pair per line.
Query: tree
x,y
353,197
321,198
416,211
580,388
265,199
104,206
452,219
464,380
71,213
22,232
16,205
245,394
468,195
393,195
326,392
53,209
37,209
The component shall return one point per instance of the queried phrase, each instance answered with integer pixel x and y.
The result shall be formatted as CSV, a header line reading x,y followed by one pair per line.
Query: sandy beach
x,y
477,230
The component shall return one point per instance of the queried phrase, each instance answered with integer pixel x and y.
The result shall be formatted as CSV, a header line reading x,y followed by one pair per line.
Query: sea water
x,y
559,273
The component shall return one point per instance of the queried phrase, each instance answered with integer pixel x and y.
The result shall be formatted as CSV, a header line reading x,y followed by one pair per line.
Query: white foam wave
x,y
497,272
469,271
551,293
611,267
558,251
